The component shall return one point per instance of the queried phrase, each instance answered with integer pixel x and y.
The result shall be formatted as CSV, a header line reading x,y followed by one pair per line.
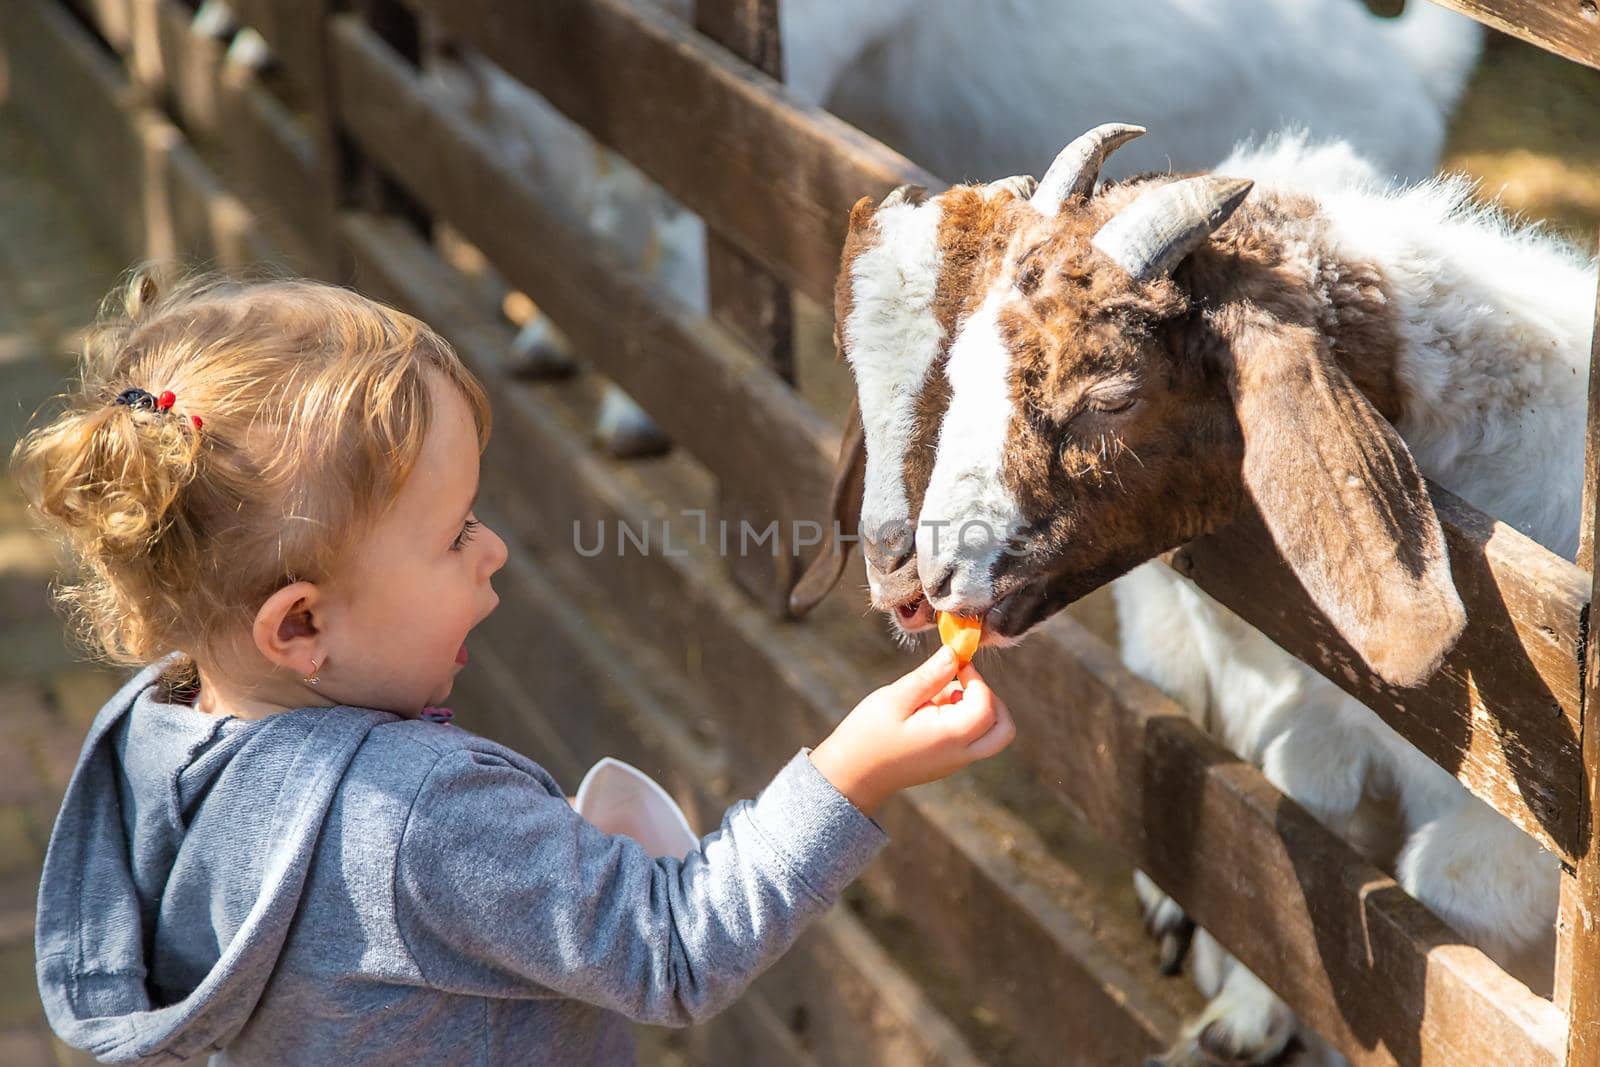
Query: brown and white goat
x,y
1141,363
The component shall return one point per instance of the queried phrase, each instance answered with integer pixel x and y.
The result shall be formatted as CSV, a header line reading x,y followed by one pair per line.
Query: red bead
x,y
196,419
165,400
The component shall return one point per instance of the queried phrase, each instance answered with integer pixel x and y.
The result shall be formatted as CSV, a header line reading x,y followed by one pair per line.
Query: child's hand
x,y
918,729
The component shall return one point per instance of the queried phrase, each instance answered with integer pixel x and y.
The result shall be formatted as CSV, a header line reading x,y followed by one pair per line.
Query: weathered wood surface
x,y
1569,28
1502,712
273,161
153,195
774,177
1591,455
745,299
295,31
1502,715
1578,934
763,442
1357,959
1031,958
49,57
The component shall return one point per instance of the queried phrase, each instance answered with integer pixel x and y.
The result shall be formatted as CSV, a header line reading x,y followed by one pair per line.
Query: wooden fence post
x,y
754,306
1578,933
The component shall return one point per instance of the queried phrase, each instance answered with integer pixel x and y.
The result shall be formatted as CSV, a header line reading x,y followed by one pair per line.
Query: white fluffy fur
x,y
893,338
1496,322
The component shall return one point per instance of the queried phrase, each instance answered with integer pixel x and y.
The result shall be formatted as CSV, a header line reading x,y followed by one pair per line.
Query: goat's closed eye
x,y
1111,405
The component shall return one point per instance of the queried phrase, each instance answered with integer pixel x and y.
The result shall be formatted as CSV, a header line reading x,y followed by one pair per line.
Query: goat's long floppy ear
x,y
1344,502
844,505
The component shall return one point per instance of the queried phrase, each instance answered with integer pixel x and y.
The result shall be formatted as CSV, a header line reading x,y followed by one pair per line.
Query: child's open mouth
x,y
461,657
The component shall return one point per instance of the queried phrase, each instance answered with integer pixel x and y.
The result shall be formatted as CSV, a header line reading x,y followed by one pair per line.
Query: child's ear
x,y
285,630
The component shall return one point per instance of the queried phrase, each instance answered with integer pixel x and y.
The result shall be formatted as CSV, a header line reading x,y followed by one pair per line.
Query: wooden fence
x,y
984,934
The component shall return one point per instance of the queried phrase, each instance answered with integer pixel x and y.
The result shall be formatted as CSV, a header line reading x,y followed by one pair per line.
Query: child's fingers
x,y
922,682
974,716
1001,734
952,693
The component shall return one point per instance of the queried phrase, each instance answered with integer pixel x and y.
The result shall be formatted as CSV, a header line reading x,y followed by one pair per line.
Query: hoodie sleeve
x,y
501,889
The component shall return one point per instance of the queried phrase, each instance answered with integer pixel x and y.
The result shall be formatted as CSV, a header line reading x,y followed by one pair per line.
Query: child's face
x,y
421,580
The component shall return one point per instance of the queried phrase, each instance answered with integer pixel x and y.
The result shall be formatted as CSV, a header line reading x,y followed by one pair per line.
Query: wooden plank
x,y
773,176
747,300
272,160
974,844
1360,961
295,30
158,200
77,99
659,353
1578,944
113,20
693,615
1501,714
1568,918
1591,456
1569,28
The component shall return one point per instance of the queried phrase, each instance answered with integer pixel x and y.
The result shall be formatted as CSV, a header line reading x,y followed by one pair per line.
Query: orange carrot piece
x,y
961,633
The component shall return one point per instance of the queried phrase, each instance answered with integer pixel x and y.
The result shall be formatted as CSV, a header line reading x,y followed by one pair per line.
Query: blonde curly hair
x,y
313,406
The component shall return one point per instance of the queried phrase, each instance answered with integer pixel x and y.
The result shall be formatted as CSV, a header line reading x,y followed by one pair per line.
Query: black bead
x,y
137,398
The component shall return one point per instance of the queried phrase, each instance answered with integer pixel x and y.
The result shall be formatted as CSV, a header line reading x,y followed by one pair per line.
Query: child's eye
x,y
465,535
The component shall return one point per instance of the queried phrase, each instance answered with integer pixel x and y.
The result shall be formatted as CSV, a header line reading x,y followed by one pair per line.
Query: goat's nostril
x,y
941,588
886,557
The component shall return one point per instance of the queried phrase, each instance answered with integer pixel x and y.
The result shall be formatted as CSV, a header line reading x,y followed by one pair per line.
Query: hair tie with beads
x,y
146,401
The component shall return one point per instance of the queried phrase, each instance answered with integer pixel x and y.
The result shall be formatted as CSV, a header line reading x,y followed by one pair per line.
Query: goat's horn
x,y
1078,165
1152,235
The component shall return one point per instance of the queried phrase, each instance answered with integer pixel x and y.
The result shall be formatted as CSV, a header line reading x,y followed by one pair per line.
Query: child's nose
x,y
498,552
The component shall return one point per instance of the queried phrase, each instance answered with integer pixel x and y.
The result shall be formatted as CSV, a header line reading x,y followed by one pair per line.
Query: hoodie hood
x,y
156,933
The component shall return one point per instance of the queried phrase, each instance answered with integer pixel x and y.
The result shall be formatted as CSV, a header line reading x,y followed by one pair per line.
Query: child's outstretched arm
x,y
502,890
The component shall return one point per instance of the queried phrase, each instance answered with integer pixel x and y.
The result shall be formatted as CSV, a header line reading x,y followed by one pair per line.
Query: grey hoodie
x,y
341,885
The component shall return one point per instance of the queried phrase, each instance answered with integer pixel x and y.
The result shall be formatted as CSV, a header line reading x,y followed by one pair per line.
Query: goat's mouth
x,y
914,615
1016,611
899,595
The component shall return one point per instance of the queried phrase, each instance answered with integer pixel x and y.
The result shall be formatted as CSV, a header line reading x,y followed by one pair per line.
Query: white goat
x,y
961,84
1124,375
